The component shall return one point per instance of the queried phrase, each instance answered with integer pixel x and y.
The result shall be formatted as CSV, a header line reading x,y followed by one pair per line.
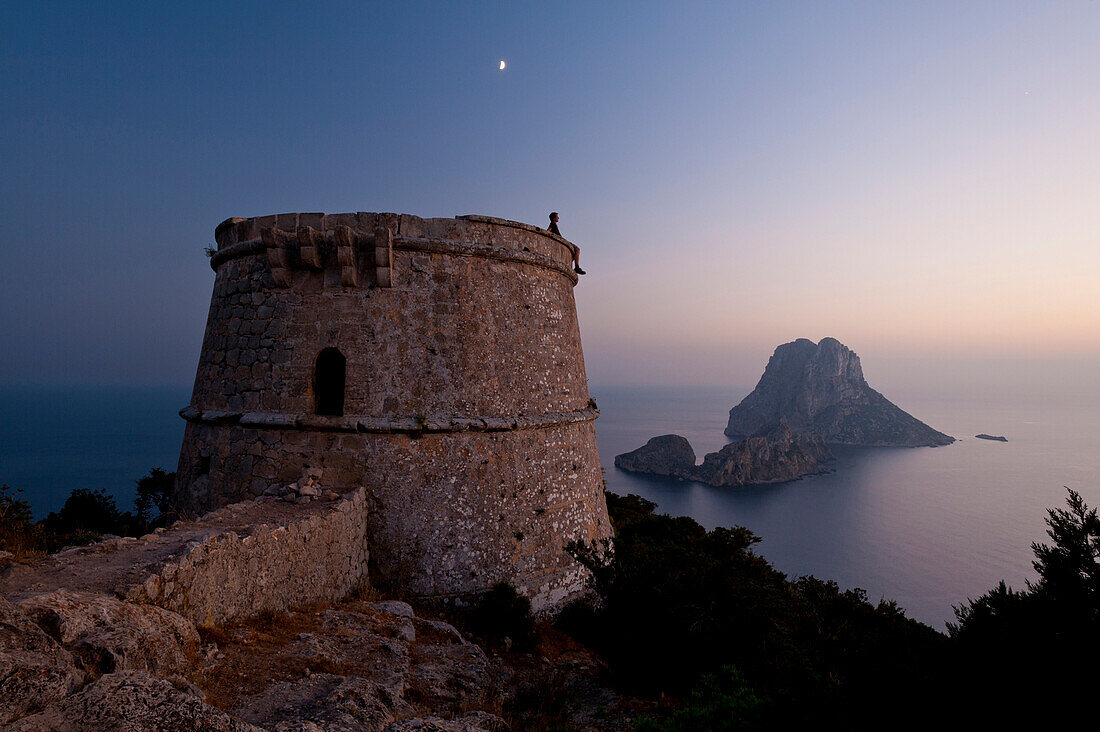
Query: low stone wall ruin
x,y
318,558
264,555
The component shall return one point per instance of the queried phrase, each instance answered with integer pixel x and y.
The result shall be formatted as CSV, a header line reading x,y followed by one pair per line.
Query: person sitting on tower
x,y
553,229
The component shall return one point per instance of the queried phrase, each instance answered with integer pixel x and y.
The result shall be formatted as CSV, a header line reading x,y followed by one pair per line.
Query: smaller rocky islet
x,y
665,455
775,457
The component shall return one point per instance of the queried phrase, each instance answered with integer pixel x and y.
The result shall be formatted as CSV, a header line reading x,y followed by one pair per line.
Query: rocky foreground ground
x,y
259,617
82,661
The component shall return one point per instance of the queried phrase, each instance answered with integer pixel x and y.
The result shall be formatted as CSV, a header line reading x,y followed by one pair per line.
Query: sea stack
x,y
819,388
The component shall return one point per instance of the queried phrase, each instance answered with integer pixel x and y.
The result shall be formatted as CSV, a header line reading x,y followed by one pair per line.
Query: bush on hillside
x,y
720,702
1039,643
85,517
19,534
678,601
503,613
154,499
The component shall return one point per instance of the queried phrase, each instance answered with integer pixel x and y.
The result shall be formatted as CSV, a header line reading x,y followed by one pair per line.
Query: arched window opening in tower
x,y
329,374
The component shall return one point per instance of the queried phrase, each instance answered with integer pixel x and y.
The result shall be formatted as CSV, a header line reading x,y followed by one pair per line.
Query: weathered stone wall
x,y
246,558
312,557
466,411
458,330
451,513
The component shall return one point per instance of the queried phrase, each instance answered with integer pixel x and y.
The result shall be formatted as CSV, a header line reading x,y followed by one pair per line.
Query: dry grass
x,y
365,592
252,658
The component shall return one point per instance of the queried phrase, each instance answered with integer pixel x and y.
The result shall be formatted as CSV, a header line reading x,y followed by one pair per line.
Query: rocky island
x,y
819,389
775,457
994,438
665,455
811,395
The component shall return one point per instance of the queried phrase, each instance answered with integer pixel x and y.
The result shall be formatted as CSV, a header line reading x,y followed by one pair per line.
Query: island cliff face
x,y
775,457
819,388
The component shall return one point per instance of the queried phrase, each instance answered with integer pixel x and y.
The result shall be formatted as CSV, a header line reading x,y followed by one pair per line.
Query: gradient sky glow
x,y
919,180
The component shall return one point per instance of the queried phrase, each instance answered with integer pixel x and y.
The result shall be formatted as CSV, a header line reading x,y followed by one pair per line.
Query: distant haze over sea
x,y
56,439
896,373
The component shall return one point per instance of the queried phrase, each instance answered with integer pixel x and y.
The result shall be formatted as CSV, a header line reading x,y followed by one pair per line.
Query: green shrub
x,y
720,702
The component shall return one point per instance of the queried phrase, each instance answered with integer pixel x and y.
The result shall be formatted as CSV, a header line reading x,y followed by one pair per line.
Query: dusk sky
x,y
918,180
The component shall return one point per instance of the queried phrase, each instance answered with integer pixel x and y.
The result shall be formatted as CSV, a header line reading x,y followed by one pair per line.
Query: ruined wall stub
x,y
465,408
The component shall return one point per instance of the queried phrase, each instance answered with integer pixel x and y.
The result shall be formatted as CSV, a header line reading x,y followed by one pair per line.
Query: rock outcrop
x,y
819,388
774,457
354,666
132,701
105,634
667,455
83,662
995,438
35,670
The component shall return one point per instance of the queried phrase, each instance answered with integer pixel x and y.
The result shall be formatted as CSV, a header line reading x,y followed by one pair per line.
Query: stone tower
x,y
437,362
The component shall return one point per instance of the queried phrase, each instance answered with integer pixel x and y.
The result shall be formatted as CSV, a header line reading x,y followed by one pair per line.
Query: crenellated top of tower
x,y
315,241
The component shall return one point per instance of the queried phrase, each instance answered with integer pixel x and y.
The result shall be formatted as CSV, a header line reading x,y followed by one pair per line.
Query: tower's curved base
x,y
451,513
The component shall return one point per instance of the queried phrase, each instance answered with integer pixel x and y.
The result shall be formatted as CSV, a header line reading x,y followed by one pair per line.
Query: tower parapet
x,y
437,362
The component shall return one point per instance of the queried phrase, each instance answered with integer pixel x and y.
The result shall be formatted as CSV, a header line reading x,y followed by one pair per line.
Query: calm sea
x,y
53,440
926,527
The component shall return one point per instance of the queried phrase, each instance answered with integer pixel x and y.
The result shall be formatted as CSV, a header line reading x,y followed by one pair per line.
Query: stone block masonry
x,y
317,557
245,559
436,362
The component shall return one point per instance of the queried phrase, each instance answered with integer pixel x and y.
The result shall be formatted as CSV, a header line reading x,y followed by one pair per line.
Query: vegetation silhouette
x,y
19,534
153,505
85,517
696,615
1038,646
677,601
